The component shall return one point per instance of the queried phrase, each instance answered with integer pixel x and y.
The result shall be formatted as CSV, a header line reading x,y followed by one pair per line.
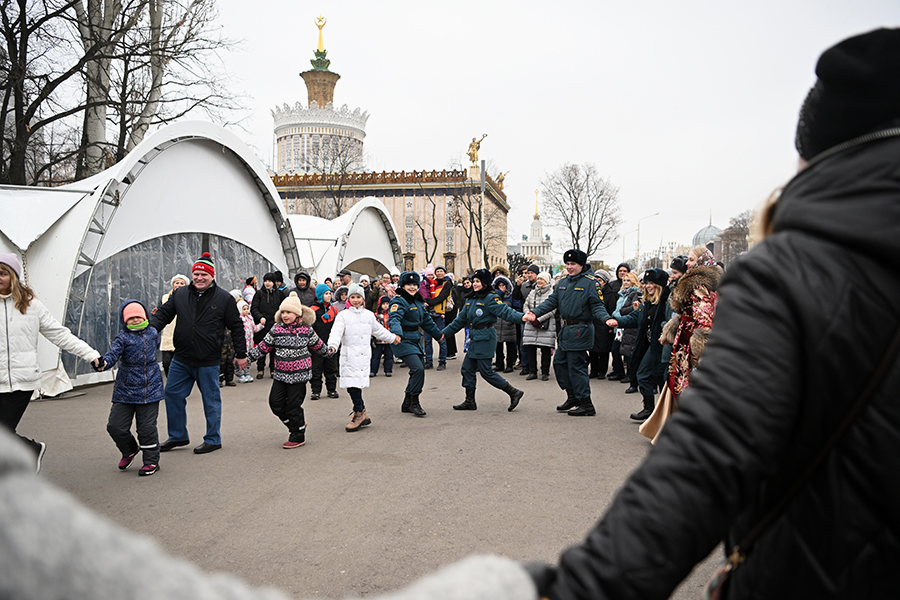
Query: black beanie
x,y
484,276
278,277
534,269
857,92
575,255
269,277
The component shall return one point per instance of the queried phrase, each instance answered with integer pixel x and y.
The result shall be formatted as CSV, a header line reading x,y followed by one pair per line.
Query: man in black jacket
x,y
204,311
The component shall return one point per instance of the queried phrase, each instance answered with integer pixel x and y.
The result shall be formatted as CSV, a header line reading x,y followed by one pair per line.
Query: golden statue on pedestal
x,y
500,178
473,149
320,23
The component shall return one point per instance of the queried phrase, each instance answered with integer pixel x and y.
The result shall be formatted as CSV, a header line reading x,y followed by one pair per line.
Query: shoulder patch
x,y
394,307
591,277
498,300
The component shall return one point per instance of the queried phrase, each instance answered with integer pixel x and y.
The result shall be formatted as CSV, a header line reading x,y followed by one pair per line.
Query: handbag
x,y
716,587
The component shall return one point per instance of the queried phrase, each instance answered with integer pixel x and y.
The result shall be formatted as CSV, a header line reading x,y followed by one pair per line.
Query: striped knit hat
x,y
205,264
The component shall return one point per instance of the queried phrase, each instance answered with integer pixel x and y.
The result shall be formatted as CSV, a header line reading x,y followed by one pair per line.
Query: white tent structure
x,y
362,240
124,233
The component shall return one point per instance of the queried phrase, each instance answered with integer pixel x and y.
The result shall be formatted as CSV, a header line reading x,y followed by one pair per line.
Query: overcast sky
x,y
689,107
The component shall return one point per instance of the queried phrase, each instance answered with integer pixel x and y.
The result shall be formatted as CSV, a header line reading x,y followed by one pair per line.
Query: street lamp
x,y
623,243
639,238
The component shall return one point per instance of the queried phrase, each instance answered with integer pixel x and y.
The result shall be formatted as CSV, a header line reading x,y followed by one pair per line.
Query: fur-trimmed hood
x,y
503,270
690,281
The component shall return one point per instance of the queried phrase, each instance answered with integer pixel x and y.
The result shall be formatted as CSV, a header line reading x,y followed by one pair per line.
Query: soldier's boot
x,y
570,403
469,402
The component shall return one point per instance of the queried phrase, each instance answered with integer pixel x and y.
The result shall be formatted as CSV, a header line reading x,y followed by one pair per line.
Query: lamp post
x,y
639,238
624,257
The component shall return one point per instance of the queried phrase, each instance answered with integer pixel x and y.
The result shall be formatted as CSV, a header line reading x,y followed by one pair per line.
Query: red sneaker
x,y
289,445
126,461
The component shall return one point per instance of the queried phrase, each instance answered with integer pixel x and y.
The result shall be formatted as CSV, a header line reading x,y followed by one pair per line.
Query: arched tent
x,y
363,240
126,231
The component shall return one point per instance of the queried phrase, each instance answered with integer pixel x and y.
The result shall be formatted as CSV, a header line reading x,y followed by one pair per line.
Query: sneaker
x,y
230,384
289,445
333,394
545,377
221,383
314,396
148,470
42,447
260,374
451,357
387,374
126,461
360,419
372,374
441,367
429,366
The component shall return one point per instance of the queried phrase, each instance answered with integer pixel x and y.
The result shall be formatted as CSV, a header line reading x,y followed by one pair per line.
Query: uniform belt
x,y
574,322
484,326
410,328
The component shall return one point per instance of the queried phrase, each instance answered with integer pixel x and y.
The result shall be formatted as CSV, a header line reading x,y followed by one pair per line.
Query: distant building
x,y
440,216
536,247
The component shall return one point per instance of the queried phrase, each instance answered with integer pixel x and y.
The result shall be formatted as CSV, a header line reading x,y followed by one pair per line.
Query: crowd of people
x,y
782,445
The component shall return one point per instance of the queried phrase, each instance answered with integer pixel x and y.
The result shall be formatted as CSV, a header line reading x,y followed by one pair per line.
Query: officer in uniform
x,y
579,301
406,315
480,312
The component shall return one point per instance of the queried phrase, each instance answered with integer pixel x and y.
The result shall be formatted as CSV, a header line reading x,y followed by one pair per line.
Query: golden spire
x,y
536,215
320,23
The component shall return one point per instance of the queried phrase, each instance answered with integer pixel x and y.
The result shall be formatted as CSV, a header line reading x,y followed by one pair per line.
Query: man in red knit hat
x,y
204,311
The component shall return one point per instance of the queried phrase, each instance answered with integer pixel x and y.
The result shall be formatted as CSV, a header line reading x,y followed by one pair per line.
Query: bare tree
x,y
429,230
584,204
516,261
735,239
336,161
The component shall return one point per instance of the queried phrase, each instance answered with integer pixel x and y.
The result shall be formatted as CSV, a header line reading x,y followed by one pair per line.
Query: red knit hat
x,y
205,263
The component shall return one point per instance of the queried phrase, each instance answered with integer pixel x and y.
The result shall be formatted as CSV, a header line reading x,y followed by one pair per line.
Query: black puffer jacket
x,y
202,321
802,322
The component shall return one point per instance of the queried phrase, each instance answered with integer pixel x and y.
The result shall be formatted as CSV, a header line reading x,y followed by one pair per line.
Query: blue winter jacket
x,y
139,380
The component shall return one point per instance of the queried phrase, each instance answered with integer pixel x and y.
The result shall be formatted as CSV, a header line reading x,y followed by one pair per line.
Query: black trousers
x,y
167,356
510,355
286,402
12,407
324,365
531,352
119,428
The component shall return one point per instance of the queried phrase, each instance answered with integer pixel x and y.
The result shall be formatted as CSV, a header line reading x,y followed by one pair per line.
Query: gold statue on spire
x,y
536,216
320,23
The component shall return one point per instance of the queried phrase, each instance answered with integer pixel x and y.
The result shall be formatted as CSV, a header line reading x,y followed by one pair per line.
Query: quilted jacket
x,y
139,378
802,322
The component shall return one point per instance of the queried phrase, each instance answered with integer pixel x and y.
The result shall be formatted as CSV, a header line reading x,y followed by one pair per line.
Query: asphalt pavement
x,y
364,512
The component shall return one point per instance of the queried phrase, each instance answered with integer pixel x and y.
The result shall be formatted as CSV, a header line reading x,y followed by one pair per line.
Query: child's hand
x,y
397,339
262,321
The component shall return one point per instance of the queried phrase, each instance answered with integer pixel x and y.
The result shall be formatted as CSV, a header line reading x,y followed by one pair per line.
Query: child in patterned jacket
x,y
250,327
291,339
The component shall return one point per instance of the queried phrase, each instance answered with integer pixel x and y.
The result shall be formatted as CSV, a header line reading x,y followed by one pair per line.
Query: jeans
x,y
571,371
356,396
442,345
178,387
119,428
481,365
385,351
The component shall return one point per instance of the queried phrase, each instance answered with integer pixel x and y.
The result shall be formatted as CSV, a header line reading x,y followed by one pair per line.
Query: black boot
x,y
407,398
585,408
414,406
648,409
469,403
514,396
570,402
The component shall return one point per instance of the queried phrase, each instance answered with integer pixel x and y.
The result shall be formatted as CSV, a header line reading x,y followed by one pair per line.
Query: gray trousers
x,y
119,427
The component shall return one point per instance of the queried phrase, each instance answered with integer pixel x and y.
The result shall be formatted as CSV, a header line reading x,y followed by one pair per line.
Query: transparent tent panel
x,y
143,272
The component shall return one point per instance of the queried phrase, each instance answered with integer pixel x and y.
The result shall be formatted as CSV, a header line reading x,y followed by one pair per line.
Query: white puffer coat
x,y
353,330
531,335
19,369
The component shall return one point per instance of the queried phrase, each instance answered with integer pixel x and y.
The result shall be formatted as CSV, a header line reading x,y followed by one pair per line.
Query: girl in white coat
x,y
353,330
22,318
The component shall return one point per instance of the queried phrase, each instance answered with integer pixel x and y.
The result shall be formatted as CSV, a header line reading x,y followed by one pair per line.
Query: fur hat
x,y
501,270
184,278
485,277
292,304
279,276
343,289
269,277
356,289
857,92
657,276
545,276
575,255
409,277
679,263
205,264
